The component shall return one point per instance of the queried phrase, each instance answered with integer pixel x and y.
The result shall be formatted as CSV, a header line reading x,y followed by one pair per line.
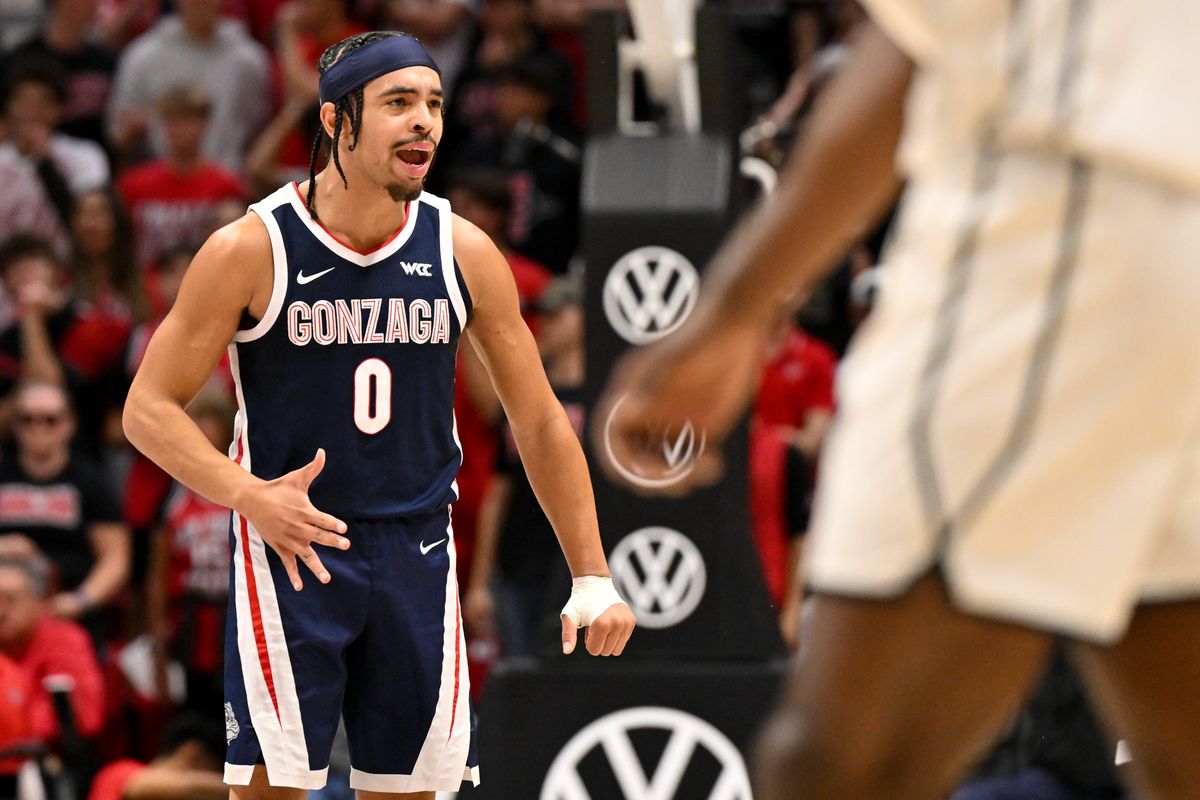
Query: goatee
x,y
405,193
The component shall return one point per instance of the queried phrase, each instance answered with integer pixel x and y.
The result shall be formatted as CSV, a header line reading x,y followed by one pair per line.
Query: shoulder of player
x,y
244,241
235,262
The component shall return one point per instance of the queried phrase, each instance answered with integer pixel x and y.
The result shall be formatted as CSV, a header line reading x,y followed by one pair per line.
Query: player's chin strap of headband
x,y
591,596
369,62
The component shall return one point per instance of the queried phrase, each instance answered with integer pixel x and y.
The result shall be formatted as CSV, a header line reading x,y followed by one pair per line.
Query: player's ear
x,y
328,118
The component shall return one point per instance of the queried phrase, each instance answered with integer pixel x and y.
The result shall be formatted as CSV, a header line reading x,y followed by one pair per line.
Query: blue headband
x,y
368,62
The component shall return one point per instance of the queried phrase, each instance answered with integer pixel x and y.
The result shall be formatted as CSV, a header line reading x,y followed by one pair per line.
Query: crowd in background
x,y
132,129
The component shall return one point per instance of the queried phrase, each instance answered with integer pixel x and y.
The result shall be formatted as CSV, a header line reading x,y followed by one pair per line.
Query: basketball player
x,y
344,301
1017,453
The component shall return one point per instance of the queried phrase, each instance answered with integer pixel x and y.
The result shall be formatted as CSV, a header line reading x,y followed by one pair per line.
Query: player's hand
x,y
705,373
595,605
288,521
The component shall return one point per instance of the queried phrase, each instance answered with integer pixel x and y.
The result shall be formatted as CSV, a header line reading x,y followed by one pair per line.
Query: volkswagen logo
x,y
679,451
661,573
688,738
649,292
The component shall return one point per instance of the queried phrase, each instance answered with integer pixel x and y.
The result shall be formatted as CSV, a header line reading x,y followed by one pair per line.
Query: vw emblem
x,y
687,736
649,292
679,451
661,573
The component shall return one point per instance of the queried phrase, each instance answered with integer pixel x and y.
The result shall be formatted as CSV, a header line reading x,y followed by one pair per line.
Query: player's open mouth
x,y
415,158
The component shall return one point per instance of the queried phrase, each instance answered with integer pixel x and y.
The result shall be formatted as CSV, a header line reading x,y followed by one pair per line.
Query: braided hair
x,y
349,107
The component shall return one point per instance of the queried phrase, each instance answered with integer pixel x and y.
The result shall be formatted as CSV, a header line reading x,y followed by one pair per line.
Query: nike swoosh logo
x,y
302,279
425,548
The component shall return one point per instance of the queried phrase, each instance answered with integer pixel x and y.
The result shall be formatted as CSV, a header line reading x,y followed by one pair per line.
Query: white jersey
x,y
1112,81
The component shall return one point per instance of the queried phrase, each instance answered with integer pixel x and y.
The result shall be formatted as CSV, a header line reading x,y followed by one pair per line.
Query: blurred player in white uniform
x,y
1017,453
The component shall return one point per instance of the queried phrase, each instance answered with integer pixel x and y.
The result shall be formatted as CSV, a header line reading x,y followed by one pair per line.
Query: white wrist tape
x,y
591,596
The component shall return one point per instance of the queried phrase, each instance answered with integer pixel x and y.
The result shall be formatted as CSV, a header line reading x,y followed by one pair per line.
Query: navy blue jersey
x,y
355,354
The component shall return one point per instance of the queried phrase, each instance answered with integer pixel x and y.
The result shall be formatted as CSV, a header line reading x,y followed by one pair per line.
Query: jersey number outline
x,y
372,420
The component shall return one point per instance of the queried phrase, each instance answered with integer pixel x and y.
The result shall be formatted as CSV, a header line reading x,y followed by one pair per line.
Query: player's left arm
x,y
550,450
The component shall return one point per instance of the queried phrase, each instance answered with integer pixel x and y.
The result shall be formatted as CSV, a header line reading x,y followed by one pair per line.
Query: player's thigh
x,y
903,693
363,794
260,789
1145,689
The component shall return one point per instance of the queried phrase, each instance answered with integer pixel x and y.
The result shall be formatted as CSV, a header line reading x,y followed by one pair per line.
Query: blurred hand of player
x,y
705,373
595,605
288,521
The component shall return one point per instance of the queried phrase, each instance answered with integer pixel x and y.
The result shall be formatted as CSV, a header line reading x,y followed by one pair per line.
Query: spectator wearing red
x,y
146,486
481,197
57,339
187,768
173,200
792,414
188,582
15,731
54,504
305,28
103,270
45,646
797,390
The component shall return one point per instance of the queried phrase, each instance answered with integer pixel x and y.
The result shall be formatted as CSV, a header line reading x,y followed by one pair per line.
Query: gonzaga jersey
x,y
1112,81
355,354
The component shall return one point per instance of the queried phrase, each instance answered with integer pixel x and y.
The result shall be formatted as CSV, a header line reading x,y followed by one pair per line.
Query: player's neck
x,y
363,215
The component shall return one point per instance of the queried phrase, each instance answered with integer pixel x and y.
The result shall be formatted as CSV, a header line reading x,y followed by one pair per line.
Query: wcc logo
x,y
676,450
661,573
417,268
649,292
613,757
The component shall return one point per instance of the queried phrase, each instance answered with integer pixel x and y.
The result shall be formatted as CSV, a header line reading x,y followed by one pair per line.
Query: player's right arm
x,y
232,273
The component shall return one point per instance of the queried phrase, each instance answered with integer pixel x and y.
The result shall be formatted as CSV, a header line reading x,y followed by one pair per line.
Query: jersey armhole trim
x,y
279,285
449,268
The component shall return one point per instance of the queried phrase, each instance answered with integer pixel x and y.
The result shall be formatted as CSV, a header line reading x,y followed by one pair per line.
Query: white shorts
x,y
1022,410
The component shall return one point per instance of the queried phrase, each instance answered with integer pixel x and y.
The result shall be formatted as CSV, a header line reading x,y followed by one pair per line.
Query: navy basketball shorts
x,y
381,646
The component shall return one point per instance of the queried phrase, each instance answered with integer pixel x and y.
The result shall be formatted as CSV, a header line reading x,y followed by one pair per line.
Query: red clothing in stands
x,y
198,577
297,147
14,718
170,208
109,783
768,482
797,380
60,647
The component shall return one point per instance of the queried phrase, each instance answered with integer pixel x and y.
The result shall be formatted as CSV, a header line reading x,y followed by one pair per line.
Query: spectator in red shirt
x,y
46,646
173,200
481,197
188,767
304,29
103,270
14,717
792,414
188,581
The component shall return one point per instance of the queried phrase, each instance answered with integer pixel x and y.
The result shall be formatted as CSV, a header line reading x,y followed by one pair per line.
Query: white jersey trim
x,y
386,250
263,209
447,244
